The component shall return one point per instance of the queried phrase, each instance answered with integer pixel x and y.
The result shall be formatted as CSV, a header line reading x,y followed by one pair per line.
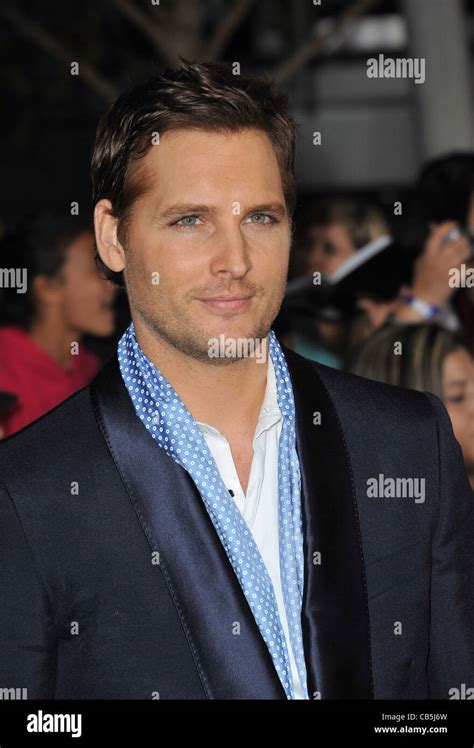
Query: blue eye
x,y
264,215
184,222
186,225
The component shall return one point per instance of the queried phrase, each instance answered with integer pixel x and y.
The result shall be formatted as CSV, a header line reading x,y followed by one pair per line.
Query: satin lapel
x,y
335,611
229,652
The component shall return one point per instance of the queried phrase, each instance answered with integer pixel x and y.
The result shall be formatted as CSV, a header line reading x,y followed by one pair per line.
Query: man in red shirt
x,y
42,358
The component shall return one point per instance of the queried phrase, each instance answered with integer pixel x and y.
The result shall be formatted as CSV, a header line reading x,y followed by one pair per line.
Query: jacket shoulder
x,y
68,429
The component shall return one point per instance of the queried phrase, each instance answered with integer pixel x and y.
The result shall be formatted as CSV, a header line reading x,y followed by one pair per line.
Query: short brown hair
x,y
205,96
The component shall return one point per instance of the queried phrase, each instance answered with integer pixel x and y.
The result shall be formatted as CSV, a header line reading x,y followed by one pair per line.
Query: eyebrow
x,y
181,209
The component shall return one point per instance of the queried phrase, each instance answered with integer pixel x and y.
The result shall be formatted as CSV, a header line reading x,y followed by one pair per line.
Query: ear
x,y
108,245
48,291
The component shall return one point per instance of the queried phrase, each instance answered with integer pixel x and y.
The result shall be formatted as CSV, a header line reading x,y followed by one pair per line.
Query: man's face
x,y
231,236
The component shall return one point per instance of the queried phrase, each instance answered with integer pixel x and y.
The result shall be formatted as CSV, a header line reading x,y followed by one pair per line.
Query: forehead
x,y
201,163
458,362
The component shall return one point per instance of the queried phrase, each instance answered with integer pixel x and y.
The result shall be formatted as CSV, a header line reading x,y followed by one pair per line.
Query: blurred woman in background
x,y
428,358
51,296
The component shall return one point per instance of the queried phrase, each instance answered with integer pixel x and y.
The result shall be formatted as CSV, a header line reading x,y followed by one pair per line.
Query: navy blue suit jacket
x,y
114,583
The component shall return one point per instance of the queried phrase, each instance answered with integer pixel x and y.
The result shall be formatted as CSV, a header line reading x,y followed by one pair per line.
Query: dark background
x,y
374,136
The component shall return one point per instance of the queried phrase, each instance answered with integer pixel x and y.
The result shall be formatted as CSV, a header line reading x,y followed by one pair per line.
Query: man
x,y
200,523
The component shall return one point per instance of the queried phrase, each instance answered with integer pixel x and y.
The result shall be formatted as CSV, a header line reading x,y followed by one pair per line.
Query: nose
x,y
232,254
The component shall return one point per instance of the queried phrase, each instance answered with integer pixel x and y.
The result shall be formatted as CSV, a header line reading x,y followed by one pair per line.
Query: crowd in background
x,y
404,315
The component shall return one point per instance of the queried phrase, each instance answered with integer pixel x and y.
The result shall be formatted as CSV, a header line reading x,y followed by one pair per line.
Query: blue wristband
x,y
425,310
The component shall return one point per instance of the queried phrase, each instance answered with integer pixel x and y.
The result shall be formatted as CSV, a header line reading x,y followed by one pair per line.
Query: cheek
x,y
83,300
168,266
344,253
459,418
77,299
273,256
184,266
85,292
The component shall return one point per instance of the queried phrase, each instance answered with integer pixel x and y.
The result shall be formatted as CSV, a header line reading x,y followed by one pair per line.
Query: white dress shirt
x,y
259,507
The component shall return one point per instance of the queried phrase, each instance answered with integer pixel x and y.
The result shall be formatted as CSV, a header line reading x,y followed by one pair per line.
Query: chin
x,y
100,331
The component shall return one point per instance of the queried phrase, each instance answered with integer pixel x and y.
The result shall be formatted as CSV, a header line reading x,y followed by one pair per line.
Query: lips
x,y
227,298
228,303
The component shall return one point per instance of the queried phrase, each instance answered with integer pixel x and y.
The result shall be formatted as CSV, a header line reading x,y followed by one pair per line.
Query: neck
x,y
227,396
54,337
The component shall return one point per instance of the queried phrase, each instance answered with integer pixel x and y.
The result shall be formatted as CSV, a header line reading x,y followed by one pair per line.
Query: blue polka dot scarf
x,y
169,422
